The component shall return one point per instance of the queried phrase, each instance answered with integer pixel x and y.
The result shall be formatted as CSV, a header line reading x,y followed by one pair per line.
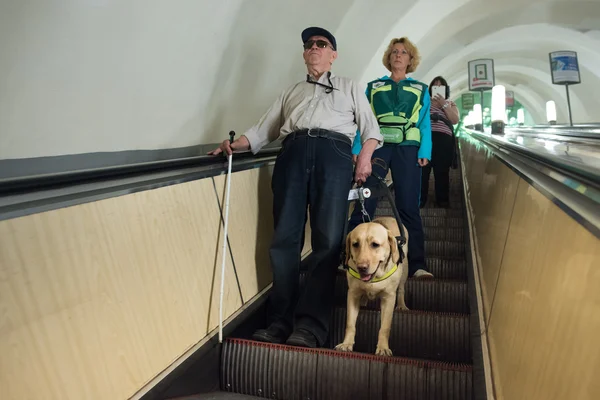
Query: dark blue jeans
x,y
406,174
313,173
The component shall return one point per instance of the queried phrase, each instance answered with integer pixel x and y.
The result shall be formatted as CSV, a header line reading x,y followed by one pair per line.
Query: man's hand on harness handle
x,y
228,147
363,163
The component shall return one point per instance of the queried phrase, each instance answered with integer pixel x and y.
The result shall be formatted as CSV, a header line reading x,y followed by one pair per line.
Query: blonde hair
x,y
413,52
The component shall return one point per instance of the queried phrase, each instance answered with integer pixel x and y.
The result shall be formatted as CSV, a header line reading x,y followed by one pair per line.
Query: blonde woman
x,y
401,105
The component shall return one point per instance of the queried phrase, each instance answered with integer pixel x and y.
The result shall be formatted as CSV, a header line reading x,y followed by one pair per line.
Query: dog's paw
x,y
381,351
402,308
344,347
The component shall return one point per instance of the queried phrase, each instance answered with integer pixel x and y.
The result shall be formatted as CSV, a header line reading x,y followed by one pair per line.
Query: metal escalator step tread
x,y
443,268
420,294
446,249
415,334
217,396
442,222
454,208
294,373
441,212
437,295
445,234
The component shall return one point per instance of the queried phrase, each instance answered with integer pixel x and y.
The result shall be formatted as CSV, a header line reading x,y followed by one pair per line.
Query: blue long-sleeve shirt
x,y
423,124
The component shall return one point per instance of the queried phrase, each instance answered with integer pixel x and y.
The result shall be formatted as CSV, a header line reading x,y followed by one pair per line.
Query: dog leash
x,y
401,240
364,193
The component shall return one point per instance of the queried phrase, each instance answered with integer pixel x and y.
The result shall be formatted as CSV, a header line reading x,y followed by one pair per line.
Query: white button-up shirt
x,y
307,106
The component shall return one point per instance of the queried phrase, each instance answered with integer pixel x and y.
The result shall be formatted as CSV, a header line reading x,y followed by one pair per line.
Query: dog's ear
x,y
393,247
348,248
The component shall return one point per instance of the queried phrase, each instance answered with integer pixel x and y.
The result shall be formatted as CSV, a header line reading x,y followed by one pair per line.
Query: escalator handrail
x,y
586,174
592,133
83,176
582,208
21,197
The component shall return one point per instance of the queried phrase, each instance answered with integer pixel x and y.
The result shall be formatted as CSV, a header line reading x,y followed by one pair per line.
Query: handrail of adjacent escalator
x,y
586,170
215,165
576,190
577,132
34,194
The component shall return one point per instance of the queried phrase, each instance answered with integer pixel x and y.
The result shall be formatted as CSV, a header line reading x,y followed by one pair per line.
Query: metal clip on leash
x,y
364,193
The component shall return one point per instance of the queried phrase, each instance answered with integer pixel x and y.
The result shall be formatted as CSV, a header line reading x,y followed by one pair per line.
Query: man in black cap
x,y
318,117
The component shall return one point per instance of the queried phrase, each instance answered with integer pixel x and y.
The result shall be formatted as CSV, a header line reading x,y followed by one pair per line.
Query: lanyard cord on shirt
x,y
328,88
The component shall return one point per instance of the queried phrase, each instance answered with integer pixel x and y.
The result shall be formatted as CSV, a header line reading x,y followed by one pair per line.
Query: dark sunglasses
x,y
320,44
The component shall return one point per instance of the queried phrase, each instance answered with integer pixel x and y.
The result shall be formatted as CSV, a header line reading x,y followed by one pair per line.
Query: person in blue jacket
x,y
401,105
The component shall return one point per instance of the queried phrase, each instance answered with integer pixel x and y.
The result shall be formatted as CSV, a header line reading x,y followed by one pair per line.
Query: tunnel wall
x,y
94,76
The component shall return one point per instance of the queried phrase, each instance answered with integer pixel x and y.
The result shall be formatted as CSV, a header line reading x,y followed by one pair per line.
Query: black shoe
x,y
302,338
273,334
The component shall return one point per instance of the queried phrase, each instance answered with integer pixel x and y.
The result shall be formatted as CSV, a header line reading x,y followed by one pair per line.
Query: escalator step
x,y
446,234
217,396
446,249
253,368
437,295
433,336
441,212
443,268
429,221
342,377
293,373
442,222
420,294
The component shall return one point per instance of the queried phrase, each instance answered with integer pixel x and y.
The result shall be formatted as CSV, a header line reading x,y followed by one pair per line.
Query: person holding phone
x,y
444,114
401,105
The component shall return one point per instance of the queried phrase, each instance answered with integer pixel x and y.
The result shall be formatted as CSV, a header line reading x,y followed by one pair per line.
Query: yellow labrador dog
x,y
372,258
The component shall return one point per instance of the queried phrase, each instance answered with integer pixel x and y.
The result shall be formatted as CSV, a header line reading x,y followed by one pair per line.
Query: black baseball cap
x,y
316,31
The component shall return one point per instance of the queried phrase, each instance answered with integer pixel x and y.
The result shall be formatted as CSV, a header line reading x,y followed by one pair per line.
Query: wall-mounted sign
x,y
481,74
510,98
468,99
564,68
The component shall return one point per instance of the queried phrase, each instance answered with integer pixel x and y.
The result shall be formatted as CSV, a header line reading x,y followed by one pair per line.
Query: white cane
x,y
224,251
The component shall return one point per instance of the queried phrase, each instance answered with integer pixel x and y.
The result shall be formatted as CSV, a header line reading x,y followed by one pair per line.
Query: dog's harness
x,y
382,278
400,240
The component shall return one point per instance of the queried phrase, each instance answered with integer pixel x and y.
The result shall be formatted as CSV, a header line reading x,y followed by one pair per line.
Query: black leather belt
x,y
321,133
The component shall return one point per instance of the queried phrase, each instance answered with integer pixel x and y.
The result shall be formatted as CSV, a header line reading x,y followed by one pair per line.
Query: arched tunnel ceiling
x,y
108,75
518,36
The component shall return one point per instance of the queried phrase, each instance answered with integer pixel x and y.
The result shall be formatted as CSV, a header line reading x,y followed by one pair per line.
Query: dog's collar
x,y
356,275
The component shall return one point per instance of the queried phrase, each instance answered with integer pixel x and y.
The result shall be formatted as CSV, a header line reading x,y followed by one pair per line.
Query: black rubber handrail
x,y
65,179
588,133
583,207
587,175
